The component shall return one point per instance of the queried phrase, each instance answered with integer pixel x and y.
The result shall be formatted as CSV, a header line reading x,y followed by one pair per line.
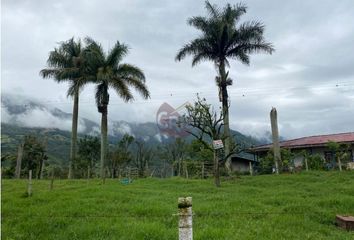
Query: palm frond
x,y
95,49
195,47
48,73
212,9
131,71
116,54
232,14
139,86
58,58
122,89
198,22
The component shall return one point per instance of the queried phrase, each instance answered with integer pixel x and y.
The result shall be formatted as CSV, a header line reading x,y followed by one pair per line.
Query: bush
x,y
315,162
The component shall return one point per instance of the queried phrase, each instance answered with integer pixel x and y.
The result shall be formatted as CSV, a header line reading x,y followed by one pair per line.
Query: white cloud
x,y
313,41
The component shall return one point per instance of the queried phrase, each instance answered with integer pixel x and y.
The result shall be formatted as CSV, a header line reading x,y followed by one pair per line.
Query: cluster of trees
x,y
223,38
177,158
80,65
31,156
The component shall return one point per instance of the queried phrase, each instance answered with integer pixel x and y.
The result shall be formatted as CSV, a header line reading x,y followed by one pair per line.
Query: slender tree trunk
x,y
19,160
74,134
103,140
225,111
179,167
216,170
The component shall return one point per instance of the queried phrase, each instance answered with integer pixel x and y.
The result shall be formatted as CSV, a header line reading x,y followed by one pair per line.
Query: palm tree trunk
x,y
74,133
225,111
103,140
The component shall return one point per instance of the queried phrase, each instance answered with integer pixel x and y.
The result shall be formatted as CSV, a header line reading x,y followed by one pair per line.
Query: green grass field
x,y
299,206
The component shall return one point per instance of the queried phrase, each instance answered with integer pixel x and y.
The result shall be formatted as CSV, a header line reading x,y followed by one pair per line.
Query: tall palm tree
x,y
108,72
66,64
223,38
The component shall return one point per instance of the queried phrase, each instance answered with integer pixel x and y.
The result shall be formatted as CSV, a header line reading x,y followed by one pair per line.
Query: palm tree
x,y
223,38
108,72
66,64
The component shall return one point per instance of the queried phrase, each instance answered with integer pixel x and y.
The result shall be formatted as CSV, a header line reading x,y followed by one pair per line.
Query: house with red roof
x,y
312,144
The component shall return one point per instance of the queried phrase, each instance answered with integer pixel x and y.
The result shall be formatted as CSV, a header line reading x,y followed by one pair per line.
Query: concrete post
x,y
275,136
251,168
185,218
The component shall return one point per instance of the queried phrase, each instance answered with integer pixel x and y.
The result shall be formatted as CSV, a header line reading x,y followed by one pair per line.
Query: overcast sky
x,y
309,79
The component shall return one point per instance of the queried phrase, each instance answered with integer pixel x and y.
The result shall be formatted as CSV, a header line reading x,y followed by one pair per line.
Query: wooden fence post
x,y
19,160
29,187
185,218
52,180
251,168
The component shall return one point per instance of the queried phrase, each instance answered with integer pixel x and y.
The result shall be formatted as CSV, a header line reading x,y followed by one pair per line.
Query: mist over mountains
x,y
23,112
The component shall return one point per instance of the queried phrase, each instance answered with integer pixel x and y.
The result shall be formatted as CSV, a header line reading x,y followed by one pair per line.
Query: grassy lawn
x,y
300,206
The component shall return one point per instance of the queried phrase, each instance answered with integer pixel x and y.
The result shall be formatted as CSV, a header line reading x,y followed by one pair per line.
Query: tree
x,y
66,64
143,155
107,71
34,154
222,39
176,151
207,126
122,154
340,151
89,154
267,163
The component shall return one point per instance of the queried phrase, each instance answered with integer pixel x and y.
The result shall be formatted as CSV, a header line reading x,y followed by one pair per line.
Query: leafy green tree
x,y
88,155
34,155
340,151
8,165
206,125
142,157
315,162
66,64
107,72
267,162
122,155
197,151
223,38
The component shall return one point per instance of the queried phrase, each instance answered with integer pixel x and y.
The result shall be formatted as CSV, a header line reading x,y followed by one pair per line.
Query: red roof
x,y
311,141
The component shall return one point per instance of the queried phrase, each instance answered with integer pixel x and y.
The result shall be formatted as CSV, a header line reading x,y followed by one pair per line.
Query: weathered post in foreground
x,y
275,136
306,164
185,218
29,188
339,163
52,180
251,168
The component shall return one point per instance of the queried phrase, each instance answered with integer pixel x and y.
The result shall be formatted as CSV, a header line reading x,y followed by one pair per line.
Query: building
x,y
312,144
241,162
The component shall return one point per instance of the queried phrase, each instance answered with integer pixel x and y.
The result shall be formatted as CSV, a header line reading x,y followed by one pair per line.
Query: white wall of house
x,y
240,166
299,160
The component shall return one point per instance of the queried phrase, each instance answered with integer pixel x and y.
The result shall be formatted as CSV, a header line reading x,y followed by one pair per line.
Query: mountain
x,y
21,116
